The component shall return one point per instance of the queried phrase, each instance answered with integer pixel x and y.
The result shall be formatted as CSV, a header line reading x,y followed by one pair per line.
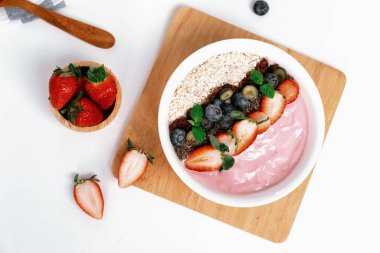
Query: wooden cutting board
x,y
189,31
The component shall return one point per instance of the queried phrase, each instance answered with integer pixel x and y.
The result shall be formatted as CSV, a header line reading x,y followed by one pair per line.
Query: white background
x,y
38,156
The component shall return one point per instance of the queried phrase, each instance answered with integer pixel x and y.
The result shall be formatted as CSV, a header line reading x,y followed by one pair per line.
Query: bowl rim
x,y
105,122
315,116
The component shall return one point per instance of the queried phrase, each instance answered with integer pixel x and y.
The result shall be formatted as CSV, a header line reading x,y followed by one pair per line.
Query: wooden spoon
x,y
88,33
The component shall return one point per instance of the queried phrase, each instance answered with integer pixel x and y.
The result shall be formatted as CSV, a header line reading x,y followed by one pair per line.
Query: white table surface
x,y
38,156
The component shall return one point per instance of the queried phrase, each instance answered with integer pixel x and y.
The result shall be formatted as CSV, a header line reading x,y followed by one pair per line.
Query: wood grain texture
x,y
85,32
105,122
189,31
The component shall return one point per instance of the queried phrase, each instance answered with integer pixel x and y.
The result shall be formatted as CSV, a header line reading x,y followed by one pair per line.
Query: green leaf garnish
x,y
257,77
237,115
227,162
199,134
191,122
197,114
267,90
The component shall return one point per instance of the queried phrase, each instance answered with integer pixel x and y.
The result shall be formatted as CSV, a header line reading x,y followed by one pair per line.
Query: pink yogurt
x,y
268,160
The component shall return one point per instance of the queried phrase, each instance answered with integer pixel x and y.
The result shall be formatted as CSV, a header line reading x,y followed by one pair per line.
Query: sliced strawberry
x,y
131,168
132,165
88,196
273,107
245,132
205,158
229,140
290,90
262,120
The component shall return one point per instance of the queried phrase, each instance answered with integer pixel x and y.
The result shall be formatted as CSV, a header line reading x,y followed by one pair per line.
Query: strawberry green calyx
x,y
73,71
96,75
72,109
81,181
132,147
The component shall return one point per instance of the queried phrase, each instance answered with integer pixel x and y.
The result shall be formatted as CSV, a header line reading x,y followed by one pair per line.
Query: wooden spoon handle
x,y
88,33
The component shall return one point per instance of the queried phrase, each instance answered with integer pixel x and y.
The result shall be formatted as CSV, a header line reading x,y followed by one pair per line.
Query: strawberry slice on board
x,y
290,90
101,87
205,158
273,107
133,165
245,132
88,195
229,140
262,120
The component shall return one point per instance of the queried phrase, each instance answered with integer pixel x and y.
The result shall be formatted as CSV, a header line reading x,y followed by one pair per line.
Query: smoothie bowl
x,y
241,122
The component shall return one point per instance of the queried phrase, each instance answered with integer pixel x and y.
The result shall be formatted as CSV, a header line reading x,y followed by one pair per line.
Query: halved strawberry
x,y
262,120
230,140
245,132
132,165
290,90
273,107
205,158
88,196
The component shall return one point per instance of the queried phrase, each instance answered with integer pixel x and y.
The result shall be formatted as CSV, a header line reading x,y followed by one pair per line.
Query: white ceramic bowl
x,y
316,122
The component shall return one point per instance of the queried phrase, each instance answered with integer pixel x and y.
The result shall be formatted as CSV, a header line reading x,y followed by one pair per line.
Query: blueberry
x,y
177,137
217,102
213,113
239,101
272,79
261,8
227,107
206,124
226,122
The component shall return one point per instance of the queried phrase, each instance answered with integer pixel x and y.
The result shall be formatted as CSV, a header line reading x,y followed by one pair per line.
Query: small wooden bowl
x,y
107,120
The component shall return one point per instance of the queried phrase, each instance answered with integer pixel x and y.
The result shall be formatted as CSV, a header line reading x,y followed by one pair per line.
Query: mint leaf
x,y
191,122
257,77
237,115
199,134
267,90
227,162
197,114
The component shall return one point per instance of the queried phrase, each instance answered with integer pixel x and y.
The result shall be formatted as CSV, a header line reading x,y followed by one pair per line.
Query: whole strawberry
x,y
83,112
63,86
101,87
